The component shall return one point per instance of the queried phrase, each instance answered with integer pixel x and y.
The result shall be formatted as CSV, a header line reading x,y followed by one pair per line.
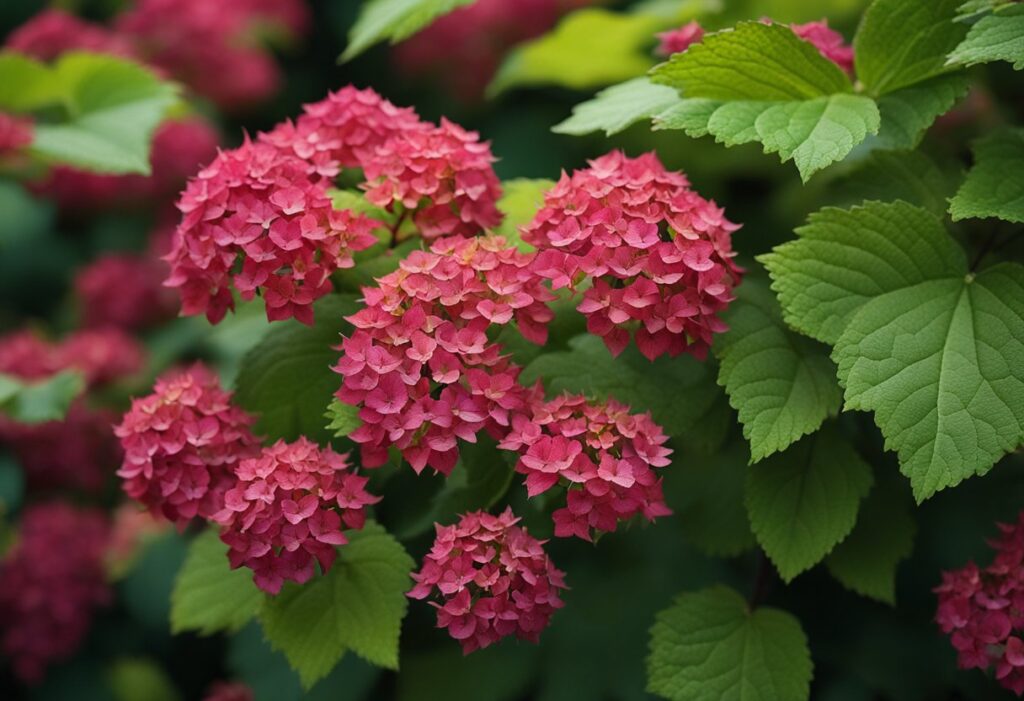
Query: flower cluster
x,y
51,583
229,691
982,610
181,444
15,133
491,579
286,511
604,455
660,255
828,42
678,40
101,355
419,363
124,291
51,33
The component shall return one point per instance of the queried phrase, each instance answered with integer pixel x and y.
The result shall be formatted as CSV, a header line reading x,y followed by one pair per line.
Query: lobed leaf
x,y
42,400
996,37
394,20
616,108
995,185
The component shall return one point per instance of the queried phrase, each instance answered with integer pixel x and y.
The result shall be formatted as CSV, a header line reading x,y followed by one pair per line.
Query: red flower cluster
x,y
603,454
287,509
660,255
124,291
982,610
102,355
181,444
51,583
419,364
491,579
679,40
828,42
53,32
229,691
15,133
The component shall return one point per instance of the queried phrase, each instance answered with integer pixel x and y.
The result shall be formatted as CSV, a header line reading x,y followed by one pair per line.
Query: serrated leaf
x,y
286,379
114,106
709,646
589,48
520,201
342,418
941,364
210,597
39,401
845,257
884,535
26,84
997,37
616,108
908,112
358,605
394,20
802,502
995,185
896,175
783,385
903,42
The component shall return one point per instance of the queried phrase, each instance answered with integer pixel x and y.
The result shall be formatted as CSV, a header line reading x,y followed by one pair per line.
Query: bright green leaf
x,y
520,201
42,400
394,20
783,385
358,605
997,37
26,84
709,646
896,175
802,502
208,595
995,185
140,679
908,112
614,109
343,418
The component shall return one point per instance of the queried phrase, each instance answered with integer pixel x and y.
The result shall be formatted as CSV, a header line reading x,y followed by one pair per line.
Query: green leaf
x,y
616,108
941,363
344,418
897,175
589,48
995,185
803,502
845,257
140,679
26,84
286,379
394,20
208,595
866,561
903,42
114,107
710,646
997,37
39,401
358,605
520,200
783,385
908,112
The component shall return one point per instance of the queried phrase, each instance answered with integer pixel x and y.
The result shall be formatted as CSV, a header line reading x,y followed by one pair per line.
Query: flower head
x,y
229,691
420,365
287,510
51,33
679,40
51,583
15,133
659,255
124,291
181,444
489,578
101,355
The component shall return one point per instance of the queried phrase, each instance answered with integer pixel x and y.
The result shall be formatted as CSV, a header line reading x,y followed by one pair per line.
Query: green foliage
x,y
995,185
709,645
210,597
616,108
908,112
343,419
26,84
358,605
286,379
802,502
782,384
39,401
140,679
520,200
897,175
394,20
998,36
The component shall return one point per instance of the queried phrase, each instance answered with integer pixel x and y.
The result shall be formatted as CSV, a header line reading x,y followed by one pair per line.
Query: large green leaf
x,y
42,400
358,605
26,84
995,185
897,175
286,379
709,646
908,112
996,37
208,595
394,20
802,502
616,108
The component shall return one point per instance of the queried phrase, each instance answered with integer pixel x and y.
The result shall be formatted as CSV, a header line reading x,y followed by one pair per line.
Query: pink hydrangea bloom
x,y
229,691
489,579
124,291
679,40
287,511
181,444
27,355
130,530
604,456
51,583
101,355
268,210
829,43
419,364
982,610
15,133
51,33
659,255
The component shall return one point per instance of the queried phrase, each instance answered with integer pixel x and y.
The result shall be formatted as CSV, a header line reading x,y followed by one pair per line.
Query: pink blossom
x,y
181,444
101,355
51,33
658,254
982,610
288,509
828,42
604,456
419,364
489,578
124,291
51,583
229,691
15,133
679,40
